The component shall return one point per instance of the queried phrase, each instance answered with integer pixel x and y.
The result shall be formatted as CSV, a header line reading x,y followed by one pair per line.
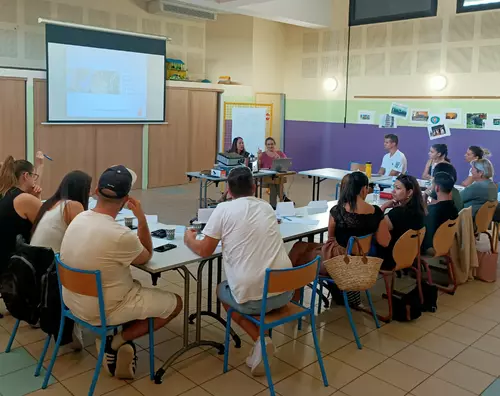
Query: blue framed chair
x,y
365,242
281,281
86,283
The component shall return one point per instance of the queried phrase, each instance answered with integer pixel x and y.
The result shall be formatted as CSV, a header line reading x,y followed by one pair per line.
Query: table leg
x,y
314,188
206,193
317,188
201,194
261,184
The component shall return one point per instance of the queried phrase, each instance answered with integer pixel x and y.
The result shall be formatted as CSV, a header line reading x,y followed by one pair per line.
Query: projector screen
x,y
98,76
363,12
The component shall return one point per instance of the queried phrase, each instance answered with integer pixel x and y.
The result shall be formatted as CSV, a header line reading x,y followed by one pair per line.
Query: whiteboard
x,y
249,123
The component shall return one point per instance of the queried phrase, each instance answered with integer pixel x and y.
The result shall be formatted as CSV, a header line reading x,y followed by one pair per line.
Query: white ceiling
x,y
306,13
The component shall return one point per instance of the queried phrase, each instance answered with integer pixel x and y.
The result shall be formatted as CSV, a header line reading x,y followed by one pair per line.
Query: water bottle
x,y
376,194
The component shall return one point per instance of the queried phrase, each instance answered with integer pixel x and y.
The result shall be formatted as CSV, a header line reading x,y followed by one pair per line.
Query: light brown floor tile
x,y
72,364
480,360
495,331
342,328
142,368
458,333
291,329
328,341
338,373
489,344
403,331
166,349
35,349
421,359
232,383
200,368
455,302
279,371
437,387
52,390
297,354
328,316
363,359
474,322
445,313
382,343
441,346
4,339
199,391
399,374
492,301
160,335
484,311
8,322
79,385
466,377
127,390
369,385
237,356
301,384
26,335
279,339
427,322
265,393
173,384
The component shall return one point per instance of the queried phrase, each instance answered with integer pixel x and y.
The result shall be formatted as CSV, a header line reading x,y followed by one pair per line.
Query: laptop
x,y
281,164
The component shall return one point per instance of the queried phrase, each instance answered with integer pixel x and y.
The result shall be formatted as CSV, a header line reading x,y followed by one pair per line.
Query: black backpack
x,y
407,307
20,282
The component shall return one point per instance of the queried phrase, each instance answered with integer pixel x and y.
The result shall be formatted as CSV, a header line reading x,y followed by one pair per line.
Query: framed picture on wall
x,y
419,116
453,116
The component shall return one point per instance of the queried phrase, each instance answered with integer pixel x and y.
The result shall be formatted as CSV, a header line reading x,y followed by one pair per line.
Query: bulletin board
x,y
252,113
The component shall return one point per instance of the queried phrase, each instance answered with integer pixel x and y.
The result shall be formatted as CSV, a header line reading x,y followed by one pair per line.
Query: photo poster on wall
x,y
366,117
419,116
399,110
493,122
387,121
476,120
453,116
438,127
249,123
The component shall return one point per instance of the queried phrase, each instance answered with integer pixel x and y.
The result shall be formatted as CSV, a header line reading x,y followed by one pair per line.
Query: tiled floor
x,y
455,351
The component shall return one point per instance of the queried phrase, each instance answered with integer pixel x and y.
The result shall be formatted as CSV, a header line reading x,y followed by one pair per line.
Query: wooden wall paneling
x,y
119,145
72,147
168,144
12,117
203,114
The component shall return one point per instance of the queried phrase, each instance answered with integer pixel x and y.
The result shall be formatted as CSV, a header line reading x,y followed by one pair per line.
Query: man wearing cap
x,y
96,241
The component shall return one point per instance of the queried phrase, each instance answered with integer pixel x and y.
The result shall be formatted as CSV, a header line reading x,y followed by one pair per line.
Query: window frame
x,y
462,9
432,12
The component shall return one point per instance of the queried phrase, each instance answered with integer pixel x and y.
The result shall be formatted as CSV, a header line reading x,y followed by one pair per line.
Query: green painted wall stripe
x,y
333,110
145,156
30,122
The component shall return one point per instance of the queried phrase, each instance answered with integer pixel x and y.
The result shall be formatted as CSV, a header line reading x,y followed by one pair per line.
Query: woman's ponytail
x,y
7,175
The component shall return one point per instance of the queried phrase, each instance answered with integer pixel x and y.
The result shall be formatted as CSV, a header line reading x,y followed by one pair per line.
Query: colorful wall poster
x,y
399,110
453,116
438,131
419,116
493,122
476,120
366,117
387,121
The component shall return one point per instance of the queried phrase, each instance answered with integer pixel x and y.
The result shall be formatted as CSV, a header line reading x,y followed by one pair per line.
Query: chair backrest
x,y
357,166
407,248
288,279
484,216
444,237
83,282
365,242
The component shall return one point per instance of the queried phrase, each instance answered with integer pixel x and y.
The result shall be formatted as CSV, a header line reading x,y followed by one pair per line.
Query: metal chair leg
x,y
372,308
151,349
351,321
12,336
42,356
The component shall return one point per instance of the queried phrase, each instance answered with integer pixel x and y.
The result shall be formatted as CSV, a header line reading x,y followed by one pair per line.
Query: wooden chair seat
x,y
288,310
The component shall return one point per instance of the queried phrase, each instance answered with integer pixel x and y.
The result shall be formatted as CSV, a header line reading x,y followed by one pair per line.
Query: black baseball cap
x,y
116,182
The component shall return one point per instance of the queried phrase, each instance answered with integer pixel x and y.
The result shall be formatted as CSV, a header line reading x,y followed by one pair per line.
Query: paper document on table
x,y
299,220
204,215
316,207
285,209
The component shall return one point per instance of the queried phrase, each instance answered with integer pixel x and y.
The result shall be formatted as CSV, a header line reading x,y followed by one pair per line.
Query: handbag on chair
x,y
354,273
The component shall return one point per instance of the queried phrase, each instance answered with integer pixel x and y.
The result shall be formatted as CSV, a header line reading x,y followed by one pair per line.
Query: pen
x,y
46,156
287,218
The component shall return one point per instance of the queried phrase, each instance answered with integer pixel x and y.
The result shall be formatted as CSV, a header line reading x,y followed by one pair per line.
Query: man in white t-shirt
x,y
394,162
96,241
251,243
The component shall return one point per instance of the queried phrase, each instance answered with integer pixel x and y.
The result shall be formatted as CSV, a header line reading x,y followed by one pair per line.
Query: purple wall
x,y
315,145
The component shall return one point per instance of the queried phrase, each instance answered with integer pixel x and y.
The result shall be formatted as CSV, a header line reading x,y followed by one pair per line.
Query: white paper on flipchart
x,y
204,215
285,209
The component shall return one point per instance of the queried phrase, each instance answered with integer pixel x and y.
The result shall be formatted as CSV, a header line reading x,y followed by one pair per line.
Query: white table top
x,y
199,175
338,174
424,184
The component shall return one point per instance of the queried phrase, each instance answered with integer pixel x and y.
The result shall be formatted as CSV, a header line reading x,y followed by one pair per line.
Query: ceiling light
x,y
438,83
330,84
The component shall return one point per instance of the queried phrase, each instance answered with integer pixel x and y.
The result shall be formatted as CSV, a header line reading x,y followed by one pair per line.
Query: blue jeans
x,y
252,307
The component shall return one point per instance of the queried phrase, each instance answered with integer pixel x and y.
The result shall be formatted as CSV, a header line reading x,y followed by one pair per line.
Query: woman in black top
x,y
238,147
408,213
19,205
352,216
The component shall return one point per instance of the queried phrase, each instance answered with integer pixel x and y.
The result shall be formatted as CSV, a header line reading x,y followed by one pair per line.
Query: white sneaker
x,y
255,362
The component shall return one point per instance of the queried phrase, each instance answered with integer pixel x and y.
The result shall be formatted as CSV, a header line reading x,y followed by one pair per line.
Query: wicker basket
x,y
354,273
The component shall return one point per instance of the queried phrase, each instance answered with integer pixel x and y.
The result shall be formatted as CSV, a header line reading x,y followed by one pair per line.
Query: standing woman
x,y
266,159
19,206
474,153
238,147
437,155
70,199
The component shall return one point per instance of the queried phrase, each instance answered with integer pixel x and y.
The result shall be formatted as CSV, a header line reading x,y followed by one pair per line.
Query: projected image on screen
x,y
104,84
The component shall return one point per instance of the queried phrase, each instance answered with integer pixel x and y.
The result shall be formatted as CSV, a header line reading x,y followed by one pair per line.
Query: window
x,y
363,12
476,5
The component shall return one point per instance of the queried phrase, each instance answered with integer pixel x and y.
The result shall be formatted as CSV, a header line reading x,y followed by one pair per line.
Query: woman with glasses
x,y
407,213
19,205
482,188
